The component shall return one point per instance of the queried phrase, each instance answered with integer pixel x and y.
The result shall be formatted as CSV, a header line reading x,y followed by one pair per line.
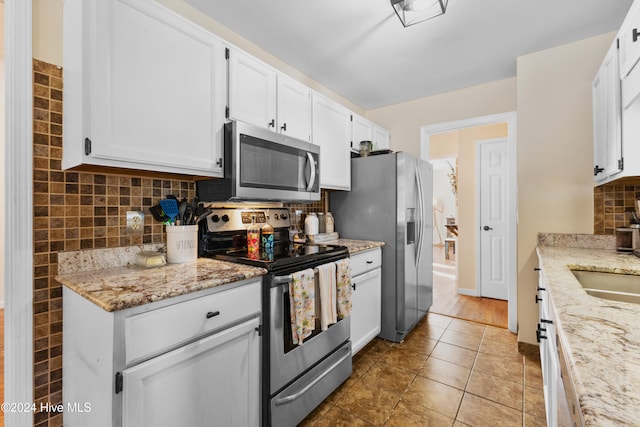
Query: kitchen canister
x,y
322,225
182,243
311,224
329,223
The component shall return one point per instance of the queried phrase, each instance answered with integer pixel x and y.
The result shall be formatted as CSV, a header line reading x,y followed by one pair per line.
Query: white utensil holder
x,y
182,243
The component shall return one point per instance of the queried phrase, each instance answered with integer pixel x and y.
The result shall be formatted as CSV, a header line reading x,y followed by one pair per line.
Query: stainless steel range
x,y
295,378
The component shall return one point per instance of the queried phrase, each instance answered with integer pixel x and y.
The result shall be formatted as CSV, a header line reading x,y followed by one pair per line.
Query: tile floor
x,y
448,372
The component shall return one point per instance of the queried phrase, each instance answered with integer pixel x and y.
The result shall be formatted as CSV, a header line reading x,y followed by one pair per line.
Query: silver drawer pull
x,y
212,314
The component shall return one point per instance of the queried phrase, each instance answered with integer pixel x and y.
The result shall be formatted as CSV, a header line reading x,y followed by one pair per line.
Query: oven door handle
x,y
291,398
280,280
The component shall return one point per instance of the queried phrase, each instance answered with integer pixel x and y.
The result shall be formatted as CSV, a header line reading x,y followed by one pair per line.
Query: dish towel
x,y
343,286
303,304
327,290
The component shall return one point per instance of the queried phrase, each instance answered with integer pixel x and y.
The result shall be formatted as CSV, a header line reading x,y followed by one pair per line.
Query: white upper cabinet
x,y
616,105
332,132
380,138
361,130
629,37
261,96
607,140
252,90
294,108
365,130
144,88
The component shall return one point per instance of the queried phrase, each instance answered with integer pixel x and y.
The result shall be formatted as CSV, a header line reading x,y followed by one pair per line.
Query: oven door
x,y
273,166
288,361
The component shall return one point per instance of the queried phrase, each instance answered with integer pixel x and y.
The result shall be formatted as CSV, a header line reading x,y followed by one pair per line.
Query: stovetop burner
x,y
223,236
283,255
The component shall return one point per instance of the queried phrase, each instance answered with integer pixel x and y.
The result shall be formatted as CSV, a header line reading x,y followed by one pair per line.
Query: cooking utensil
x,y
158,213
187,216
170,208
181,210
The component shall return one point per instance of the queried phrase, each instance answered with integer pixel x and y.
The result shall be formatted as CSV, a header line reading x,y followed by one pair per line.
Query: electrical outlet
x,y
135,222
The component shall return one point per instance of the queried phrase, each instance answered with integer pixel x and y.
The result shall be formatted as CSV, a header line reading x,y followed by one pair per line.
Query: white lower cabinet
x,y
366,297
192,360
212,381
560,400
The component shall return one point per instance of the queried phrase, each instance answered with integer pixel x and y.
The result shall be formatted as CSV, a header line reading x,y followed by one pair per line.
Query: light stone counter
x,y
114,286
354,246
601,338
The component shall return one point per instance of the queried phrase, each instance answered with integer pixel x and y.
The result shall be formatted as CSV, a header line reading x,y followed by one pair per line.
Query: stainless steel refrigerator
x,y
391,201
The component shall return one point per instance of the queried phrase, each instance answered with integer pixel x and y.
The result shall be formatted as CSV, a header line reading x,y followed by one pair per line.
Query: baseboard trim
x,y
469,292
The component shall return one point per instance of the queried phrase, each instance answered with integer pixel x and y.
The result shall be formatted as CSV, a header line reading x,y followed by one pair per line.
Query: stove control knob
x,y
225,218
284,216
215,218
276,217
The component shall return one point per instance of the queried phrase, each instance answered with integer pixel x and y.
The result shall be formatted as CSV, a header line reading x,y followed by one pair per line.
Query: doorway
x,y
468,248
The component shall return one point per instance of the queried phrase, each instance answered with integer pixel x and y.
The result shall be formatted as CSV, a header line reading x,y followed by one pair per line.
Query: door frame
x,y
478,201
510,118
18,274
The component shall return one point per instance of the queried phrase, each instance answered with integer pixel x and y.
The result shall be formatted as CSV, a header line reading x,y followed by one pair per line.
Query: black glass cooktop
x,y
285,255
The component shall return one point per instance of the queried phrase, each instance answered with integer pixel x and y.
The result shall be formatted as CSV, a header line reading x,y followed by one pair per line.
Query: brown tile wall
x,y
81,210
611,204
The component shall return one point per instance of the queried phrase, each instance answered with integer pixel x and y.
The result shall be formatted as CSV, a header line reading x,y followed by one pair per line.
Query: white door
x,y
214,381
494,223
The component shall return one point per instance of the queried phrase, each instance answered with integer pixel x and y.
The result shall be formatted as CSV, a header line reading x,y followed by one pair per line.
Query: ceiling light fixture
x,y
413,11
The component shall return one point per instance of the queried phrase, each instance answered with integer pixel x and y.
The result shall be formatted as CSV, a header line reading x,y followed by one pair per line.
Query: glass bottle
x,y
253,238
267,235
329,222
311,224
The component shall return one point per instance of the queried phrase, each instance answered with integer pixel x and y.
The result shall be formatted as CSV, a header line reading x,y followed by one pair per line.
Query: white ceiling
x,y
360,50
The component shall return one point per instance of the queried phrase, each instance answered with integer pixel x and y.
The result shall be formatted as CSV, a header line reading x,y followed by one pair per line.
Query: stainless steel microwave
x,y
263,165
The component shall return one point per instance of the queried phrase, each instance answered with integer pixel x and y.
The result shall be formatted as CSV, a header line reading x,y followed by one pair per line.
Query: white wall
x,y
555,155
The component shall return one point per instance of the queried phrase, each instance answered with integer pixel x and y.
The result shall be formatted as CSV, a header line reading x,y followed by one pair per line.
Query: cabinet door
x,y
361,130
630,40
252,90
156,89
607,129
380,138
332,132
294,108
366,301
212,381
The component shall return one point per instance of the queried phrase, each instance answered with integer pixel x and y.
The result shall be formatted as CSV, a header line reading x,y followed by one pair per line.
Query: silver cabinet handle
x,y
312,165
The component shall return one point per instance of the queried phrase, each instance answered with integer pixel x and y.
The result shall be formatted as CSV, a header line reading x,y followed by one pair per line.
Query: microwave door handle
x,y
312,165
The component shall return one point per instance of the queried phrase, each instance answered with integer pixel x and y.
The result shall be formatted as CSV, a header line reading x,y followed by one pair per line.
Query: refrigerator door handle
x,y
420,214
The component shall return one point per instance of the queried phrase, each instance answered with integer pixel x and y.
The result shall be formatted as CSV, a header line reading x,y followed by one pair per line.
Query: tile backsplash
x,y
77,210
611,203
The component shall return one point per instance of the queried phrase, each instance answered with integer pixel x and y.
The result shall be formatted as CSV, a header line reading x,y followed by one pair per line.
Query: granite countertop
x,y
601,338
353,245
122,287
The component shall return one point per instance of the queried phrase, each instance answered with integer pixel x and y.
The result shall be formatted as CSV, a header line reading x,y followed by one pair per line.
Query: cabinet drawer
x,y
365,261
159,330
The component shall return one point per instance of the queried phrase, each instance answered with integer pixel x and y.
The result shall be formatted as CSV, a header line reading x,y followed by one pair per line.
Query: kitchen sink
x,y
610,286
